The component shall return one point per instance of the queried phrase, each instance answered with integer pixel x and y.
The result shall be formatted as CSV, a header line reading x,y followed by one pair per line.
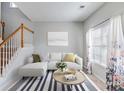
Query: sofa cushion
x,y
33,69
73,65
69,58
52,65
55,56
42,65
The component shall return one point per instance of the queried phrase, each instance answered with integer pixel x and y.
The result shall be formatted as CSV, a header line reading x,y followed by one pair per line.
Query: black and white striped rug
x,y
47,83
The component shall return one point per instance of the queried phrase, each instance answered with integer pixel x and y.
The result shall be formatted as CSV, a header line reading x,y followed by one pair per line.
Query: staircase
x,y
10,46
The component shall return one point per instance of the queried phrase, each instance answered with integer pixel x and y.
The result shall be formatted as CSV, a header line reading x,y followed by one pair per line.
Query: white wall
x,y
106,11
75,31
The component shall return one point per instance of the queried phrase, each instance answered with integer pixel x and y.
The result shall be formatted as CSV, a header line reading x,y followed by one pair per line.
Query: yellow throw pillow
x,y
69,58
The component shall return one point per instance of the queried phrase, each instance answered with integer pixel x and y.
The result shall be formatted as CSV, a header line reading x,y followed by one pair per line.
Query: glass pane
x,y
104,33
104,55
104,41
96,37
97,58
96,50
98,44
96,33
97,53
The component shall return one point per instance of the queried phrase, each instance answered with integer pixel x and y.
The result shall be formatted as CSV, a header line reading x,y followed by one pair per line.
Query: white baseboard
x,y
9,84
12,84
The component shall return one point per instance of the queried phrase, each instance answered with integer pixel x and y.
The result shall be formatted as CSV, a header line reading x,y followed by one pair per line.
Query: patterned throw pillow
x,y
36,58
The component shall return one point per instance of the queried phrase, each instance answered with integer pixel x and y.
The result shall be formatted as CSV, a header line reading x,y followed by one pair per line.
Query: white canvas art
x,y
57,38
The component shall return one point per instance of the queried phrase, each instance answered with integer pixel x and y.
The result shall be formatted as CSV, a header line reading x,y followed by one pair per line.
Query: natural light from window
x,y
97,44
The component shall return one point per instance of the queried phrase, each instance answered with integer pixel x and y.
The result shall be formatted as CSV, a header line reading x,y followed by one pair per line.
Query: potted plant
x,y
61,65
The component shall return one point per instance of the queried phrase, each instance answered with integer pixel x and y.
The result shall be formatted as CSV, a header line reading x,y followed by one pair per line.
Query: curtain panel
x,y
115,64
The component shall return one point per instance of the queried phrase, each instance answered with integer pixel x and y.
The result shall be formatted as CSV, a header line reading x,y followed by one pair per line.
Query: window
x,y
97,43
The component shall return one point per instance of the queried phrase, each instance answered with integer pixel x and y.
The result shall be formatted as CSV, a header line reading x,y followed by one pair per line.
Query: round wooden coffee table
x,y
59,77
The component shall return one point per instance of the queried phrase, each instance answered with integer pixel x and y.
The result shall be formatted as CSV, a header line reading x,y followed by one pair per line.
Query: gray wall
x,y
0,19
13,17
0,11
74,30
106,11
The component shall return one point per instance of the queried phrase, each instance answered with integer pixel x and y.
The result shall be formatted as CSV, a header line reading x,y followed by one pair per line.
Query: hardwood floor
x,y
99,83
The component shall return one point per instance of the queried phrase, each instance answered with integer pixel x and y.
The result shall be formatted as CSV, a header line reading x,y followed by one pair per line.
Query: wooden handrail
x,y
25,27
22,36
8,38
20,28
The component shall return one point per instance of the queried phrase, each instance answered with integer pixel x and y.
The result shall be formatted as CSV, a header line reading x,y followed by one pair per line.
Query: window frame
x,y
102,27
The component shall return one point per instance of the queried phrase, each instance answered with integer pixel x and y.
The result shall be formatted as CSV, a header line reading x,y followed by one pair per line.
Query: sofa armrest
x,y
79,61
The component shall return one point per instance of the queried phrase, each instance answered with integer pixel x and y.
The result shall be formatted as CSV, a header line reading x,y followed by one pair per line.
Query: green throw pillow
x,y
36,58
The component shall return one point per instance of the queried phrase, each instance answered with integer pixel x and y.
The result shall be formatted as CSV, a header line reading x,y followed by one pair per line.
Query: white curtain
x,y
115,73
89,44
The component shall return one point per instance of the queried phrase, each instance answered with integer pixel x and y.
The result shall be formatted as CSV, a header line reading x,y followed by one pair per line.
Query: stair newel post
x,y
22,36
3,26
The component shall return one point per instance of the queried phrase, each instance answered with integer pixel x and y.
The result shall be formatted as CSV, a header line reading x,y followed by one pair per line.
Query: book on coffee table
x,y
70,77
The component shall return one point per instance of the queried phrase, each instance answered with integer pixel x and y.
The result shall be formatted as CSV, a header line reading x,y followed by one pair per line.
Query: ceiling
x,y
58,11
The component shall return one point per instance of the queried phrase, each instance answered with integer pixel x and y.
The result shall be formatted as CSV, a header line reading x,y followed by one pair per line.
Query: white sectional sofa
x,y
54,58
40,68
33,69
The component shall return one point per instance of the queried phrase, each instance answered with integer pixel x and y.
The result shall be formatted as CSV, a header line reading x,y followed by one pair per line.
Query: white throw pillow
x,y
55,56
30,59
